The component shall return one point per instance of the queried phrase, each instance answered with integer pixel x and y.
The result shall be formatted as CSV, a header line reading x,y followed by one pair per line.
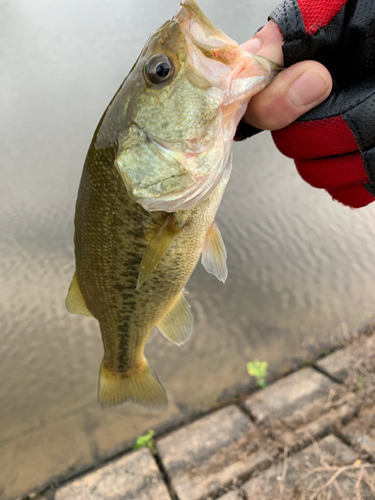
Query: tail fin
x,y
142,388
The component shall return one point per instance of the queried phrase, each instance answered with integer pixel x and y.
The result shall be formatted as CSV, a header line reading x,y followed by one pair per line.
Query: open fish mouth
x,y
207,37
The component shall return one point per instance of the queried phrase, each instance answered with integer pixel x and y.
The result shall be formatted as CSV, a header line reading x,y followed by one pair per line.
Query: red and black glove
x,y
333,145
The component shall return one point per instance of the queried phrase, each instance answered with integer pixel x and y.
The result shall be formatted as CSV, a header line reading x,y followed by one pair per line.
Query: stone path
x,y
308,436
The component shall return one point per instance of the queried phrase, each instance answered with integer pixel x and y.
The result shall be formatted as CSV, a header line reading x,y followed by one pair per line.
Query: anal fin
x,y
214,254
177,324
158,247
75,303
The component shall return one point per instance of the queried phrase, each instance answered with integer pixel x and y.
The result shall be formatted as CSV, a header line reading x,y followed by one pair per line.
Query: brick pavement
x,y
307,436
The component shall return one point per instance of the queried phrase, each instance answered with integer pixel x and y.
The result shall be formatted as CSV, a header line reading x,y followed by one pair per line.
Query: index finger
x,y
268,43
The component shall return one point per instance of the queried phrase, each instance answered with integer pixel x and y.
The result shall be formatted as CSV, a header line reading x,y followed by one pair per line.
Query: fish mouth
x,y
187,171
213,55
207,37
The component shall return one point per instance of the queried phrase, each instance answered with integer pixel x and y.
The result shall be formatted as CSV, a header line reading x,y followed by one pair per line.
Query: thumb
x,y
293,92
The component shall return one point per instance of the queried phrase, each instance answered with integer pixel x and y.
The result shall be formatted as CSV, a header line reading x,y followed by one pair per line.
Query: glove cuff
x,y
244,131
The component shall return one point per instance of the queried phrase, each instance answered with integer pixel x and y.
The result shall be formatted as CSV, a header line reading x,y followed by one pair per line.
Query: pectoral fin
x,y
75,303
214,254
177,324
158,247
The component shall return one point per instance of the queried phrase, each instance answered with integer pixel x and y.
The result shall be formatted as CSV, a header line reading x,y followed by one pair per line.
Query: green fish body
x,y
152,182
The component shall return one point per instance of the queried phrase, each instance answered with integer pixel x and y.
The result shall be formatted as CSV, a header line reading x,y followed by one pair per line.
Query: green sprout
x,y
258,370
146,441
361,383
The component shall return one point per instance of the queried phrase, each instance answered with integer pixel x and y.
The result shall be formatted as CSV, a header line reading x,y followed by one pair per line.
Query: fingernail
x,y
308,88
253,46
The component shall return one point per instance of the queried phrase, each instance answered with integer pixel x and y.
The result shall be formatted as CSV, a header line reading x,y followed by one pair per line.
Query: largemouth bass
x,y
152,182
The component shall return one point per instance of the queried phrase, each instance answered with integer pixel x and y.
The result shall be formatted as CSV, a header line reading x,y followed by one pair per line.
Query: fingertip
x,y
253,45
267,43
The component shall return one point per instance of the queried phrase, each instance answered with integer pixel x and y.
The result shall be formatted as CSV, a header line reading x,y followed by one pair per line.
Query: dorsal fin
x,y
75,303
177,324
214,254
158,247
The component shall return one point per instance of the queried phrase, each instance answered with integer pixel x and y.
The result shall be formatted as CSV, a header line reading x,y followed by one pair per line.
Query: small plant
x,y
146,441
361,383
258,370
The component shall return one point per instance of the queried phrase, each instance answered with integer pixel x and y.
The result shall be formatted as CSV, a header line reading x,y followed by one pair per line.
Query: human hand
x,y
293,92
333,144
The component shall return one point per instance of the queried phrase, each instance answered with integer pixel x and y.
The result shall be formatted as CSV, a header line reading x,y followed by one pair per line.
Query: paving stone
x,y
192,455
338,364
346,364
307,475
322,426
197,484
361,432
297,399
132,477
231,495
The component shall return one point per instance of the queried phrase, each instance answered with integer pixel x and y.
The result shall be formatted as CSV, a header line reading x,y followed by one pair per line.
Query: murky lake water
x,y
301,267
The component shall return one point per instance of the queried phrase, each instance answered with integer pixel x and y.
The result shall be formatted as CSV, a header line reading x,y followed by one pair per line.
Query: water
x,y
301,270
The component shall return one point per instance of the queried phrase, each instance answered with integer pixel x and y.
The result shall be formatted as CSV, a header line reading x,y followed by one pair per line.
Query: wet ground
x,y
301,271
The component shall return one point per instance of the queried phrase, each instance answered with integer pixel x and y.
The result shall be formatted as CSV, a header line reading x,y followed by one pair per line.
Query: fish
x,y
151,185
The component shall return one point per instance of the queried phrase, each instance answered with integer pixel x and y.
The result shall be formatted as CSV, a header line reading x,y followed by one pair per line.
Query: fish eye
x,y
159,69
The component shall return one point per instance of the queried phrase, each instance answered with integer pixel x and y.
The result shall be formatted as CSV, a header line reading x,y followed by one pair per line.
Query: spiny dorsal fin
x,y
177,324
75,303
158,247
214,254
